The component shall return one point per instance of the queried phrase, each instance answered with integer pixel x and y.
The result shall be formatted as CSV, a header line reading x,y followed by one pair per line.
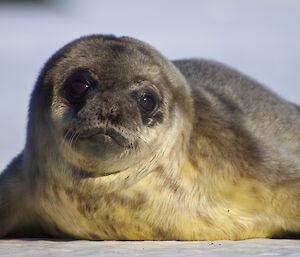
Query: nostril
x,y
113,110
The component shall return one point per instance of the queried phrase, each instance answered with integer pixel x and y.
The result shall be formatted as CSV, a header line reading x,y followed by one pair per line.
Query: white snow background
x,y
260,38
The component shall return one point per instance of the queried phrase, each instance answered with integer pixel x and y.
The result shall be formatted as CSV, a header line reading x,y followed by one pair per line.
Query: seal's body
x,y
123,144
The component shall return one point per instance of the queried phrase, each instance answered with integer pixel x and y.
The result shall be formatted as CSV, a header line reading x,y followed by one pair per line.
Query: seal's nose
x,y
109,111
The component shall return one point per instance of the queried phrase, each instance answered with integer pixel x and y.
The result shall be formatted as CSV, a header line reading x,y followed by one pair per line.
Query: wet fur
x,y
225,165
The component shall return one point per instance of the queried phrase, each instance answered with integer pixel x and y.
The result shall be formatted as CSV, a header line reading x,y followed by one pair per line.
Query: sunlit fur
x,y
223,163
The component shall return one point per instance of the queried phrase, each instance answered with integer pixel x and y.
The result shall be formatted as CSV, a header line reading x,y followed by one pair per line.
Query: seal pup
x,y
123,144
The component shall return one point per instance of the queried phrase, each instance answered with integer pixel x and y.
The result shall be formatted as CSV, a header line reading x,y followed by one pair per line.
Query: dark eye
x,y
147,102
77,89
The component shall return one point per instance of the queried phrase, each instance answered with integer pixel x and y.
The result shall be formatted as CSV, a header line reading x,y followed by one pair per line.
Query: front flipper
x,y
16,212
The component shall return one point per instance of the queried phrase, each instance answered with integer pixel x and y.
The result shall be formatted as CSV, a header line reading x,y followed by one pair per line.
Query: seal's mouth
x,y
100,134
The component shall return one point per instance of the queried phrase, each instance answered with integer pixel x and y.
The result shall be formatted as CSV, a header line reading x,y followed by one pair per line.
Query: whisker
x,y
76,136
66,136
138,134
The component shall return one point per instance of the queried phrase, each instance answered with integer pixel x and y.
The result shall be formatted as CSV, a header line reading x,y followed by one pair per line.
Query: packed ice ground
x,y
258,37
253,247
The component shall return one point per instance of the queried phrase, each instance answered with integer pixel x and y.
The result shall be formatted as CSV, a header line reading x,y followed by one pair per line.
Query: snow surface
x,y
258,37
254,247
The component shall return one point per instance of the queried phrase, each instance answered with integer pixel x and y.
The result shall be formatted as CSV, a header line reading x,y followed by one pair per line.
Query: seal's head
x,y
105,103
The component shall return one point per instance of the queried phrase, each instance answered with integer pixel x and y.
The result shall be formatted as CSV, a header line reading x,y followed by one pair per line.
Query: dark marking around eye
x,y
159,117
77,89
147,102
149,105
152,121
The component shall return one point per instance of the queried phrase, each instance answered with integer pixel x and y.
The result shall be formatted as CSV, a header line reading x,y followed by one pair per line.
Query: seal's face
x,y
112,103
